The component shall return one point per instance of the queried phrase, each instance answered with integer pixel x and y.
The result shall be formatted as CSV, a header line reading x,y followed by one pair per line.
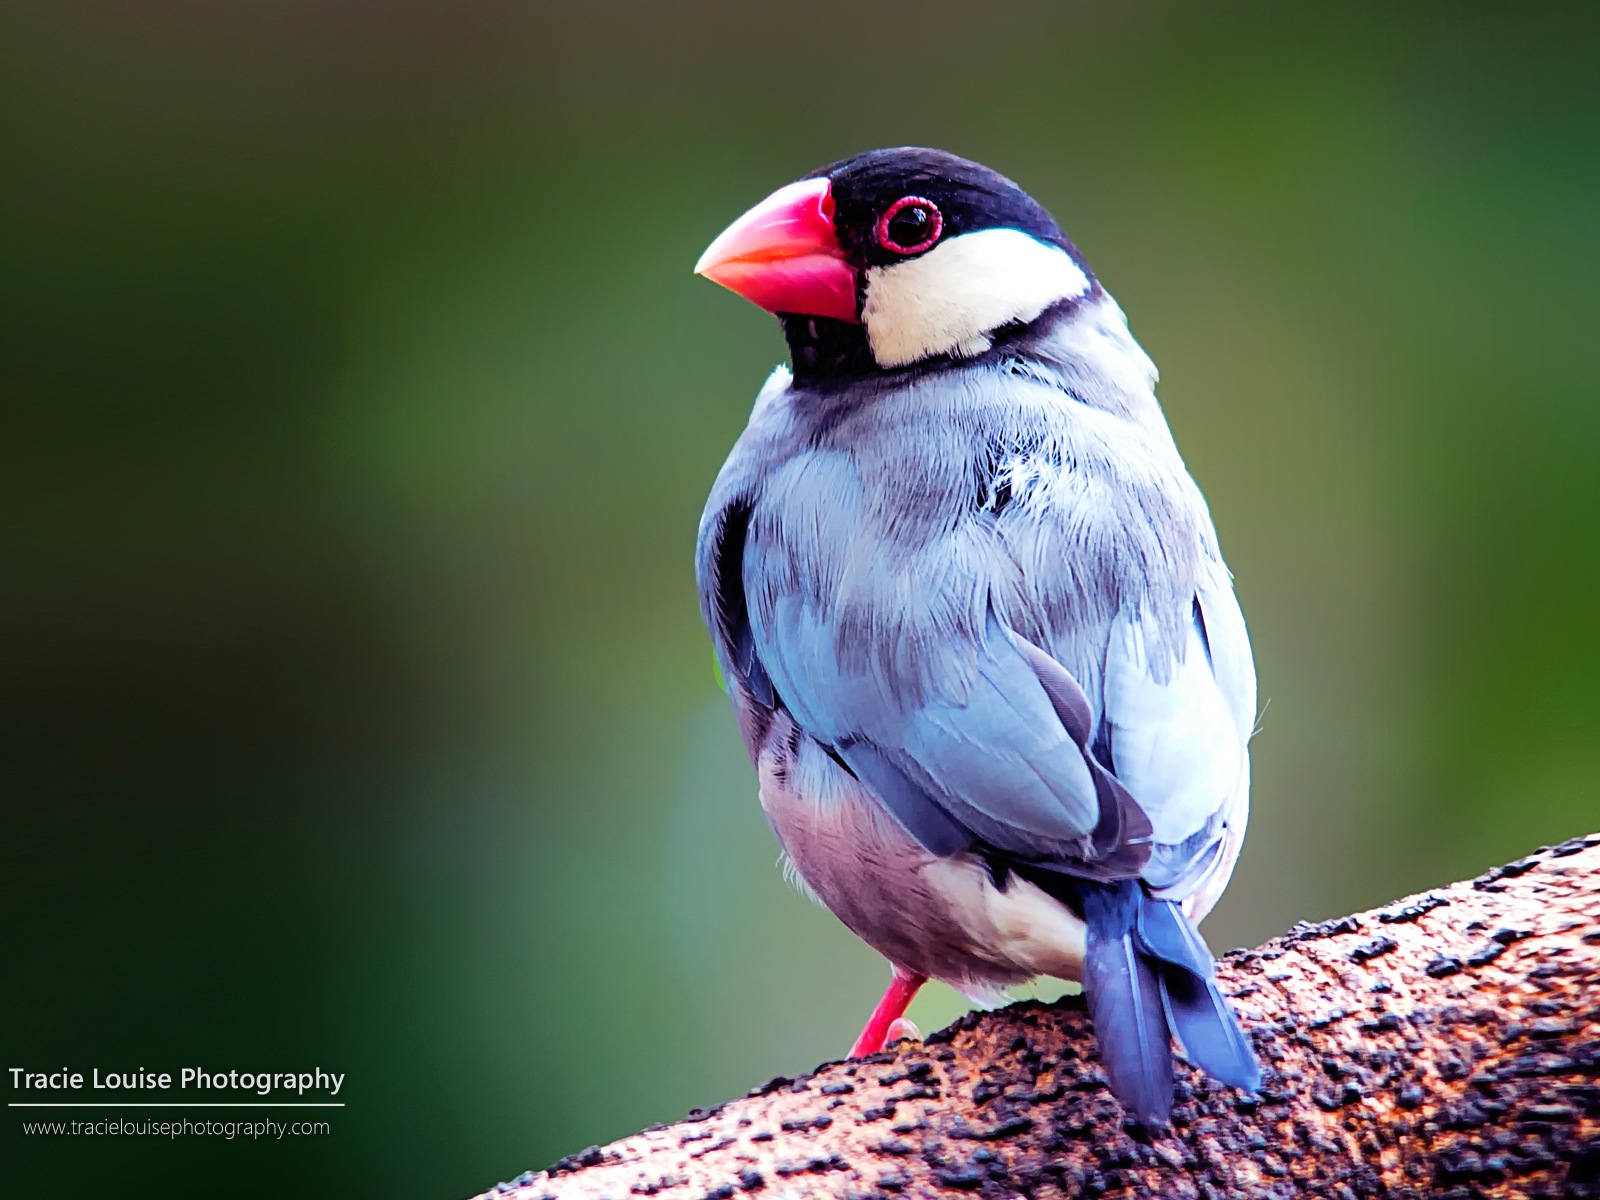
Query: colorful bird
x,y
977,631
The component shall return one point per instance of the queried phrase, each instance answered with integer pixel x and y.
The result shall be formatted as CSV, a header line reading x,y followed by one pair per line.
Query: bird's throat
x,y
822,348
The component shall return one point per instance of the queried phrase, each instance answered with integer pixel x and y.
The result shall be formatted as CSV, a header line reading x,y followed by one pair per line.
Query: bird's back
x,y
906,510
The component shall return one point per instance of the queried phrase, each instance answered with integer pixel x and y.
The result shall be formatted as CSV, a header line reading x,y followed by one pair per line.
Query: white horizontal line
x,y
190,1104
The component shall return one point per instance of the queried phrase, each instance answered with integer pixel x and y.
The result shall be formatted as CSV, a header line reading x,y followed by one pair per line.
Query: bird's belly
x,y
940,917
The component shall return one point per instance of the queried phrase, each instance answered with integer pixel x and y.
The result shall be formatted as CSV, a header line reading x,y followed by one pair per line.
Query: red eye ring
x,y
882,229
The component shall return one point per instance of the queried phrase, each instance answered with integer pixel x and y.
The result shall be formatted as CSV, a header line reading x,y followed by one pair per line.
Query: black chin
x,y
822,348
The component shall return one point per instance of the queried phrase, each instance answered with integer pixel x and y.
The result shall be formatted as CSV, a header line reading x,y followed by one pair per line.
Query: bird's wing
x,y
719,562
720,548
965,731
1007,761
1178,723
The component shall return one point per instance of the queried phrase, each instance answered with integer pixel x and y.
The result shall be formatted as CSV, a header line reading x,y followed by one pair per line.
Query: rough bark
x,y
1447,1045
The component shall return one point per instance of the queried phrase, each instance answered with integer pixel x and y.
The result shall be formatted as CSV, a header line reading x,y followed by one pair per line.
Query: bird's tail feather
x,y
1147,975
1124,994
1198,1012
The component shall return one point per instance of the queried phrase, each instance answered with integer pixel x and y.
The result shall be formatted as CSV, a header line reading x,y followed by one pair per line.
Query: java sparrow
x,y
978,634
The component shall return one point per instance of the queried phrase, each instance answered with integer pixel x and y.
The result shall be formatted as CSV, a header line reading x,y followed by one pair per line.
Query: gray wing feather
x,y
1002,760
1179,729
1173,741
998,759
921,815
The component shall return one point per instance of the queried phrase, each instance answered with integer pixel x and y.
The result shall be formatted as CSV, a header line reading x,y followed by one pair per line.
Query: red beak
x,y
783,255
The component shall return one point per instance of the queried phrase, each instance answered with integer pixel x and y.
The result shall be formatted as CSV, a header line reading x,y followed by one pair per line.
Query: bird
x,y
973,617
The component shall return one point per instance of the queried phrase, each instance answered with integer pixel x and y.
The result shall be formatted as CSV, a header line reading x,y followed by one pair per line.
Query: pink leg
x,y
902,987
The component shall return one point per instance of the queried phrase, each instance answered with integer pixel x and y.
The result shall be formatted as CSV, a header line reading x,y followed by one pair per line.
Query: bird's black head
x,y
894,257
890,205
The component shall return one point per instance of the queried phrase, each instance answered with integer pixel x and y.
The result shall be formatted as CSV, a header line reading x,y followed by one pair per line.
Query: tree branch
x,y
1447,1045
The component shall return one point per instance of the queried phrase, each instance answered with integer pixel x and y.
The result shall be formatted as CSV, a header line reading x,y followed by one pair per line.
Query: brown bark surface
x,y
1447,1045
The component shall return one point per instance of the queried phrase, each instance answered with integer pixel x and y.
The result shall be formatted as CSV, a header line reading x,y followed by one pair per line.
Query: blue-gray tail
x,y
1148,976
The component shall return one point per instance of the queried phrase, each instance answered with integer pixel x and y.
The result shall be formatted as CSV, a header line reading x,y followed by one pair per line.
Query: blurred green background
x,y
359,407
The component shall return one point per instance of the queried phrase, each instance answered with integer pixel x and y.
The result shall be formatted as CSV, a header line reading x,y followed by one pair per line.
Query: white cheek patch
x,y
950,299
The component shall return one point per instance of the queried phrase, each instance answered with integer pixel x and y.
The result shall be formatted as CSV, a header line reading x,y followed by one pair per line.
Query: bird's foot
x,y
891,1011
903,1029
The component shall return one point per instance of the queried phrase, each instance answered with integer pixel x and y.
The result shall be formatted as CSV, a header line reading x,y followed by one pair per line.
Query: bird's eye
x,y
910,225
